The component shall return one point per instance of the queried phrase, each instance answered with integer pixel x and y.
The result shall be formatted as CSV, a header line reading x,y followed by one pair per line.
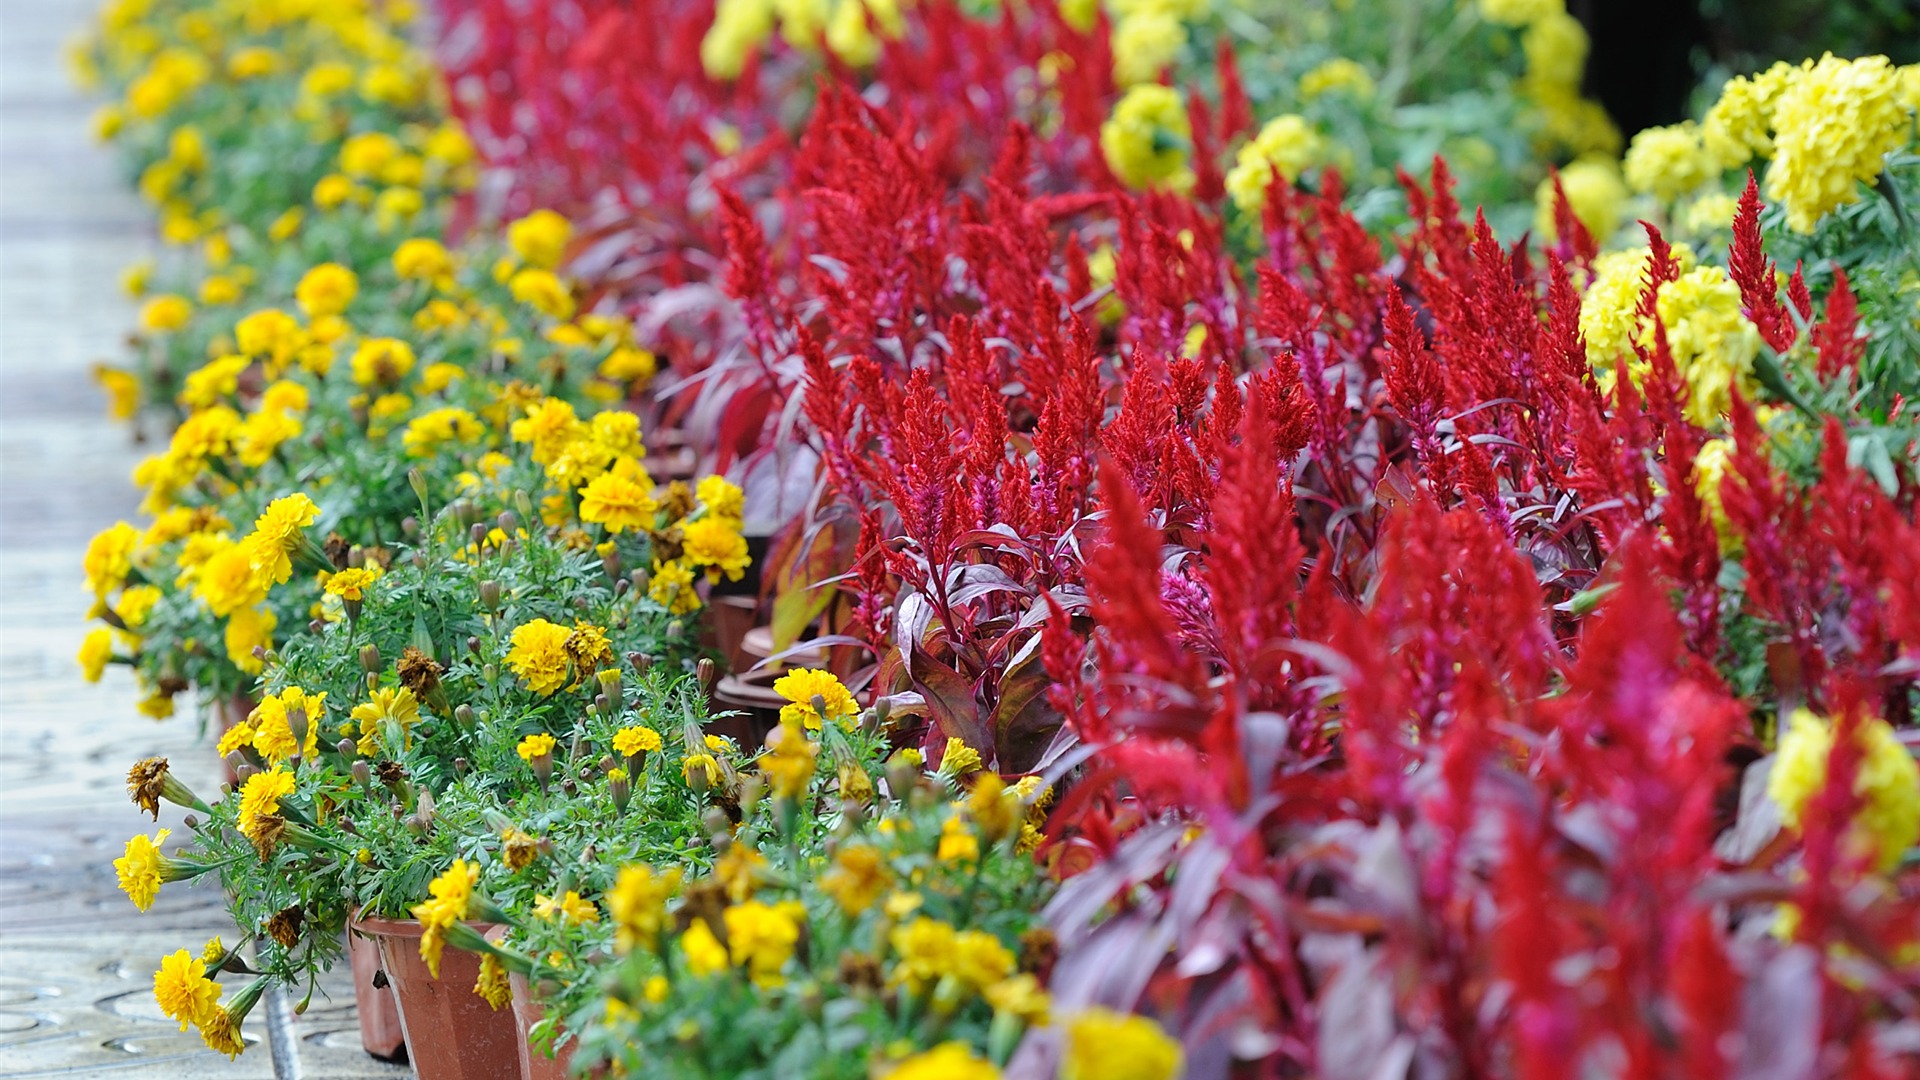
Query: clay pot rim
x,y
375,926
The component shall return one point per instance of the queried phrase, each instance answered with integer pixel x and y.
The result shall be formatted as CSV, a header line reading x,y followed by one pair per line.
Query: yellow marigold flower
x,y
493,986
788,766
213,381
256,439
1144,43
108,121
226,581
182,989
702,764
382,361
540,238
588,648
109,557
385,704
135,604
716,544
958,844
274,721
1519,12
1887,820
979,960
550,426
959,759
327,78
636,739
269,334
1337,76
253,62
260,799
368,154
1709,469
326,289
1106,1045
802,685
1669,162
449,145
638,904
568,907
389,85
352,583
705,955
739,28
761,938
165,313
143,869
427,433
618,503
542,291
157,705
122,388
539,744
218,290
629,365
721,498
333,191
247,629
1833,125
948,1061
672,588
278,531
848,36
1286,144
452,896
1556,47
423,259
858,879
539,655
1021,996
924,949
1712,341
1736,128
437,377
396,206
282,228
1148,138
234,738
1595,192
96,650
618,432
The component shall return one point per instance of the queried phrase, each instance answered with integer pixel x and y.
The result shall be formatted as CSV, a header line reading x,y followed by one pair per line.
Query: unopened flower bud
x,y
460,767
641,662
463,714
609,682
356,557
477,532
901,777
621,587
610,562
524,502
605,703
344,748
191,821
706,671
417,480
317,626
410,527
619,787
489,672
716,821
244,772
370,658
676,630
260,653
490,595
568,787
473,644
362,772
509,522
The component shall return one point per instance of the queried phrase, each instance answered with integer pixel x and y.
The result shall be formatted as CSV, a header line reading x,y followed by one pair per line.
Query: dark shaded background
x,y
1649,55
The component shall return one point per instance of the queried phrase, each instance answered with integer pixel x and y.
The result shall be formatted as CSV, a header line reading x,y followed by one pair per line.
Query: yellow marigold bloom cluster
x,y
858,879
165,313
567,908
1738,127
277,533
183,991
1595,193
789,762
428,432
716,544
802,686
539,655
1712,342
424,259
619,502
1106,1045
672,587
636,739
1148,139
278,717
761,938
543,291
492,984
540,239
638,904
1337,76
326,289
948,1061
1886,822
260,800
1669,162
382,361
96,652
142,869
387,706
1287,145
352,583
451,897
1833,125
1709,471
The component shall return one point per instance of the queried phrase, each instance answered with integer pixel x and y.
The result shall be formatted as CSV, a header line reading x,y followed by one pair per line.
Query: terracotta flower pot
x,y
452,1033
380,1032
534,1064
